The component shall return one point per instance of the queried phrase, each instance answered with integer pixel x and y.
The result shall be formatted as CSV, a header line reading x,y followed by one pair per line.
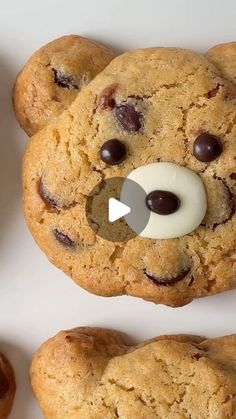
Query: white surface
x,y
171,177
36,300
116,209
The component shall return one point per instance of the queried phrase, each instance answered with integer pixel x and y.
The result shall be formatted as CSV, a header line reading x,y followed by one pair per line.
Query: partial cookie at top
x,y
91,373
7,387
223,56
52,78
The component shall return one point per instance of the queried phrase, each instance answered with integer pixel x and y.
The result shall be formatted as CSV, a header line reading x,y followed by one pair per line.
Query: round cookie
x,y
7,387
92,373
223,56
52,78
166,105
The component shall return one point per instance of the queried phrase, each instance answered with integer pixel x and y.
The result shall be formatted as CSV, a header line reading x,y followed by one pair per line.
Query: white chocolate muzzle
x,y
184,183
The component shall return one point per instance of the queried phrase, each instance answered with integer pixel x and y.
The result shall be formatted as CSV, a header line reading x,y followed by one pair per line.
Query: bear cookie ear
x,y
223,56
53,77
72,363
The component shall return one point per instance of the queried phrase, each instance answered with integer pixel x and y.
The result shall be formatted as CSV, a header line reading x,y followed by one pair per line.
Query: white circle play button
x,y
106,211
116,210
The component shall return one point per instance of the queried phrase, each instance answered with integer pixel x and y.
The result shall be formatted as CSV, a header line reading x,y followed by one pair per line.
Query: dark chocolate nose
x,y
162,202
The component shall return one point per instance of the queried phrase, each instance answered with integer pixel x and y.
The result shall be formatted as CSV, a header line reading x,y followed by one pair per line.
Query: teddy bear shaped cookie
x,y
91,373
7,387
165,119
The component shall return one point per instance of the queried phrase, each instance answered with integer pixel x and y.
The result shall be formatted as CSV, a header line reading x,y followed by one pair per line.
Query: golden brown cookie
x,y
7,387
223,56
91,373
162,106
52,78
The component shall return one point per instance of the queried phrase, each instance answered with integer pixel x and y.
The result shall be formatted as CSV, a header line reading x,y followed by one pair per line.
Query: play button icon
x,y
116,210
110,213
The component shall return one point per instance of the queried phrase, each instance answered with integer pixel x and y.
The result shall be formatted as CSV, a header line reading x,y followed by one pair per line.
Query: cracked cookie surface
x,y
157,102
53,77
7,387
92,373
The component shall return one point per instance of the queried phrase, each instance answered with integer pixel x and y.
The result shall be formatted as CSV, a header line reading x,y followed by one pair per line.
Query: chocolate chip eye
x,y
162,202
63,238
64,81
128,117
207,147
113,152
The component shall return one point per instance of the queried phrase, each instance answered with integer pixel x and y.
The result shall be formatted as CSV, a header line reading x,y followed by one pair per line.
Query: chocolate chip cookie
x,y
91,373
7,387
52,78
164,118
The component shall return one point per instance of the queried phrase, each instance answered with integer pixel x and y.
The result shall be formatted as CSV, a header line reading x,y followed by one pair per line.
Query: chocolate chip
x,y
166,282
233,176
162,202
63,238
207,147
199,347
191,281
69,338
64,81
196,356
46,197
213,92
105,99
128,117
4,385
113,152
